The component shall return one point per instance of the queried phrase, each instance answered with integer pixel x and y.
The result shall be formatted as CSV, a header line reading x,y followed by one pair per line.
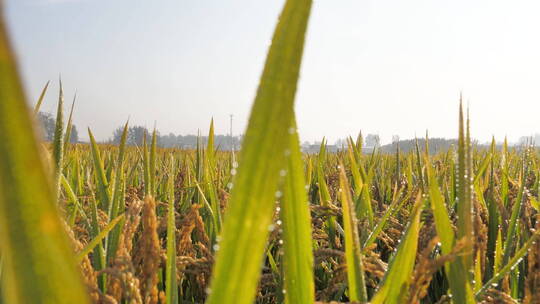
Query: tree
x,y
47,125
135,136
74,137
169,140
373,140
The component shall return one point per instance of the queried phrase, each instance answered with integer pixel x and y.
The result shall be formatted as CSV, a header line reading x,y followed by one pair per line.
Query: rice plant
x,y
98,223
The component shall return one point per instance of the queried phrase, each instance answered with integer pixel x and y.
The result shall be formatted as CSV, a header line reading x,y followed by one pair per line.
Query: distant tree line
x,y
48,123
435,145
136,134
373,141
223,142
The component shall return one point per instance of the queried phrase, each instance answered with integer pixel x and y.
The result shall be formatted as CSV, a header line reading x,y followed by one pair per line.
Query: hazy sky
x,y
384,66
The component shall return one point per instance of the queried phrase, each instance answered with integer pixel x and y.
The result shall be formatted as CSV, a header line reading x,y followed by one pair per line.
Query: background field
x,y
131,222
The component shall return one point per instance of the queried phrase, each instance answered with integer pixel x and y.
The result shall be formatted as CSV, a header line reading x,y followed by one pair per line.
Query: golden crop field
x,y
97,223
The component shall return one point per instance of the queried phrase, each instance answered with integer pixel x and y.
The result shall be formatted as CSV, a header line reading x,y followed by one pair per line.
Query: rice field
x,y
96,223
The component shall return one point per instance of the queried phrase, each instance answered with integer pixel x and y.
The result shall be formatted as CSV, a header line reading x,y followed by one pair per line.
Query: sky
x,y
389,67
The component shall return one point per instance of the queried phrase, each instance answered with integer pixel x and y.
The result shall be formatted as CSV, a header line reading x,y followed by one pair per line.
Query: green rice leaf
x,y
67,136
512,263
210,146
40,99
401,265
38,261
98,238
535,204
99,261
152,165
117,199
353,254
419,166
209,181
146,167
299,283
464,194
363,207
493,215
73,199
58,141
324,194
171,288
264,151
103,183
516,211
497,259
477,272
359,143
443,224
483,168
394,207
460,288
